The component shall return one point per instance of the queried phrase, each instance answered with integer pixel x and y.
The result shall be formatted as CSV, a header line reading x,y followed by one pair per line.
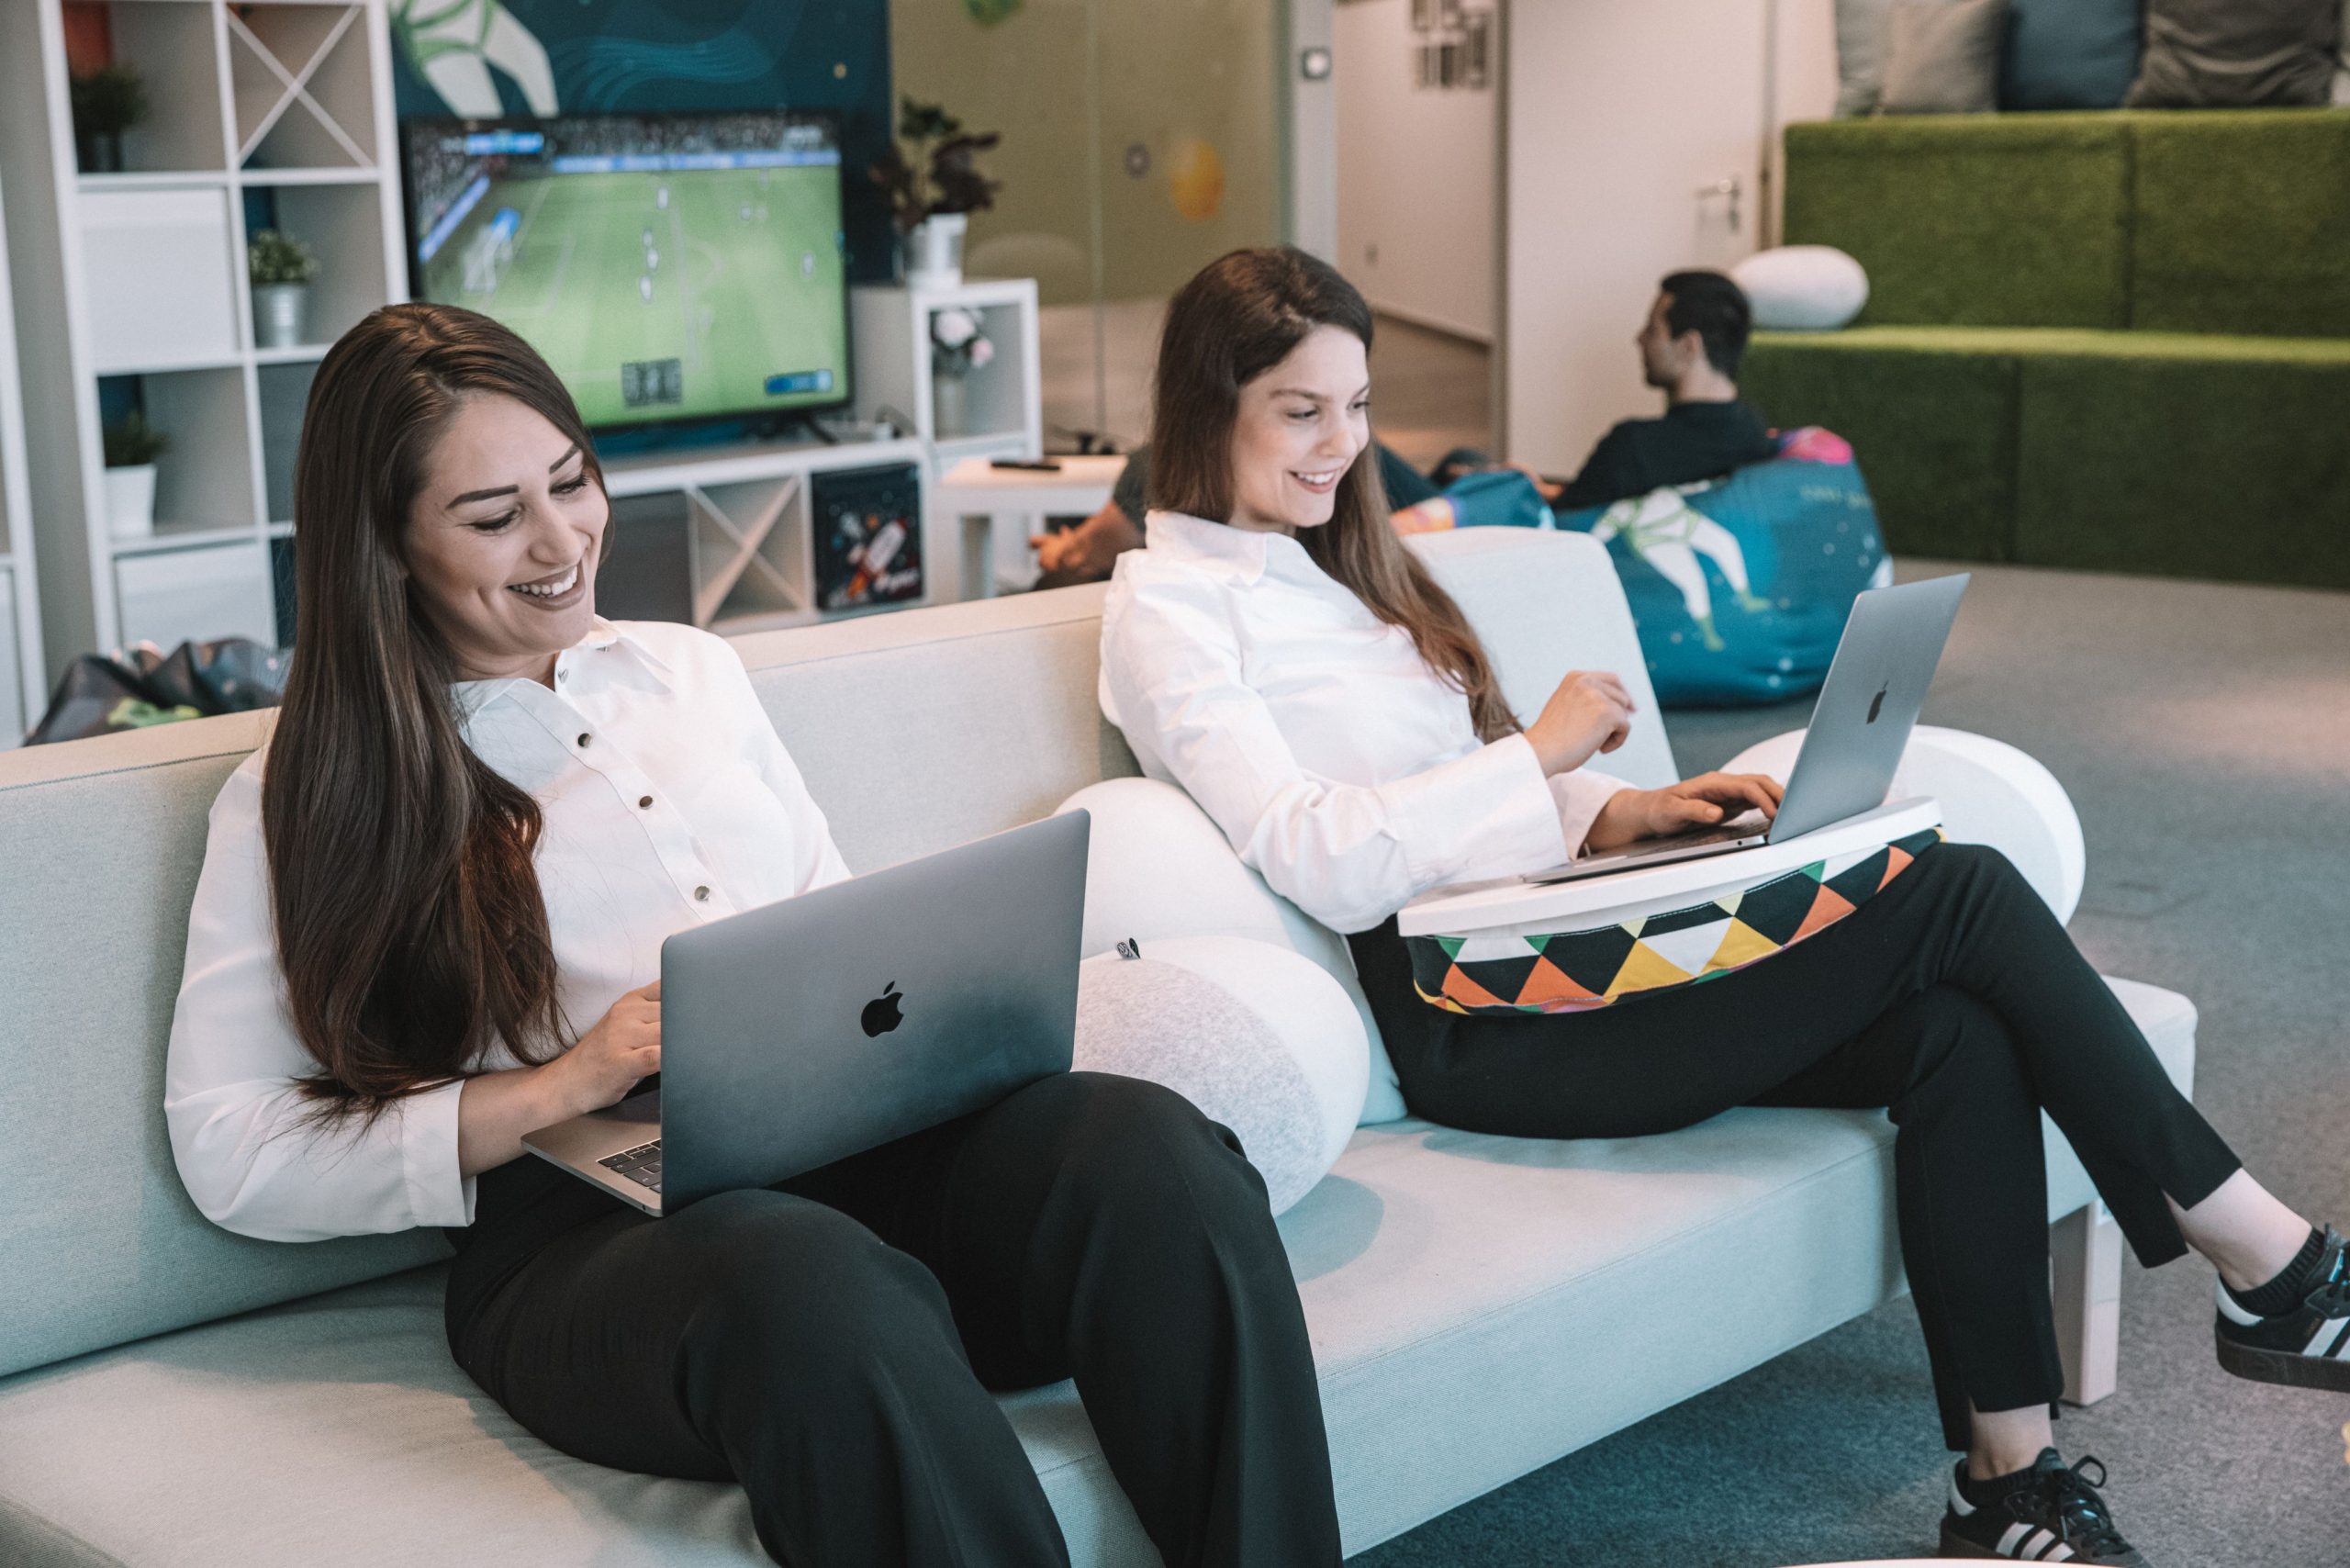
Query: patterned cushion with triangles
x,y
1575,971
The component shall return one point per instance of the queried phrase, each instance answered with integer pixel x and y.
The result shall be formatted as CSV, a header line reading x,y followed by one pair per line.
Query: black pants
x,y
830,1344
1954,997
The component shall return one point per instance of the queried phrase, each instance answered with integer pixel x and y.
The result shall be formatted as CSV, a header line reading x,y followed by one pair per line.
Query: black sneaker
x,y
2051,1514
2307,1347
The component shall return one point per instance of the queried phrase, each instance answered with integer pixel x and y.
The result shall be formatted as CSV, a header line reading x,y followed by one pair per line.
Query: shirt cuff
x,y
1579,795
436,1193
1486,815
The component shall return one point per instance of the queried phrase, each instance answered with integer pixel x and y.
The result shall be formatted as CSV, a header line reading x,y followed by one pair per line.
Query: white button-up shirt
x,y
669,801
1336,762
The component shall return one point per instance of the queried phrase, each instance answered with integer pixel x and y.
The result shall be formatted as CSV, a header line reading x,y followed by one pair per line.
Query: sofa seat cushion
x,y
2197,454
1478,1305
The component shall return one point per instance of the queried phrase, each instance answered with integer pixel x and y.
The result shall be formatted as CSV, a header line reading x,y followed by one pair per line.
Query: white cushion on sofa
x,y
1159,868
1256,1036
1803,288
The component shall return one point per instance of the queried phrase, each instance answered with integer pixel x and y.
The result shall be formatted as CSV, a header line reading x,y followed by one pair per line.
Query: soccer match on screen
x,y
668,269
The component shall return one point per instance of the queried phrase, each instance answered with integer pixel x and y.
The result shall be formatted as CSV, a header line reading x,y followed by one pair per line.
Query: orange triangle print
x,y
1828,908
1549,984
1460,988
1896,860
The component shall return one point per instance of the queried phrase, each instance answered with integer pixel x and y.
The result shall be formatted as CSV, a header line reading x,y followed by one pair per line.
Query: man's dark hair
x,y
1713,307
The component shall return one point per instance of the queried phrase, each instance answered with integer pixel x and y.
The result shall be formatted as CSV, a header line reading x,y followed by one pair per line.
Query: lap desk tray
x,y
1478,1305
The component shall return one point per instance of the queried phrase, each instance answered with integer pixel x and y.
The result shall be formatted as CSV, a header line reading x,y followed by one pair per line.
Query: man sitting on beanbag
x,y
1690,348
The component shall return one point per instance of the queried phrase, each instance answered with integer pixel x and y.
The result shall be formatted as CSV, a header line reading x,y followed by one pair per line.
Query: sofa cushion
x,y
2241,222
2070,54
2236,54
1906,197
1942,57
1572,1285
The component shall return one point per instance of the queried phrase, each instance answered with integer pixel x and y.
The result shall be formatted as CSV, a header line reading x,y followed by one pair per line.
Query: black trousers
x,y
1953,998
830,1344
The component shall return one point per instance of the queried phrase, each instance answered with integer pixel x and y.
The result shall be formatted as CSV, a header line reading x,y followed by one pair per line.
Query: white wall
x,y
1618,111
1418,178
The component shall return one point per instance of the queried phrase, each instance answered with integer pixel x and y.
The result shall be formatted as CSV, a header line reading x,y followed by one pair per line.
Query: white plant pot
x,y
281,315
935,251
130,501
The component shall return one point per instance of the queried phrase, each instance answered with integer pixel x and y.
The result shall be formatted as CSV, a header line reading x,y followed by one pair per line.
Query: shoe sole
x,y
2284,1366
1959,1546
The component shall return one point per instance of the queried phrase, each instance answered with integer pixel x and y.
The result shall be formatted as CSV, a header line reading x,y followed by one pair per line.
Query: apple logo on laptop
x,y
1876,704
881,1015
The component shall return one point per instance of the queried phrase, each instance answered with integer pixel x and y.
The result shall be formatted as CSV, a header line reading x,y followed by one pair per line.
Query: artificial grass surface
x,y
2189,455
2117,341
1971,220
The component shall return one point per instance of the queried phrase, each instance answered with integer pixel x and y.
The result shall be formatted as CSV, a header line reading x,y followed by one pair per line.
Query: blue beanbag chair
x,y
1741,587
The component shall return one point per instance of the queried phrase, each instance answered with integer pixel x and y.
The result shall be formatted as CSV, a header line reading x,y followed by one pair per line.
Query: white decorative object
x,y
1803,288
1255,1034
130,501
1160,869
935,251
1991,793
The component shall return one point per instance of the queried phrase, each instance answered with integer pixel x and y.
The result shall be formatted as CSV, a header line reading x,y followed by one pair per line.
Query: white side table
x,y
974,499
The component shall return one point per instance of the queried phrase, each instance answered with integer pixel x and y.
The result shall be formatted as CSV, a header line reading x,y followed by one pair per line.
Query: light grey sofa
x,y
1479,1305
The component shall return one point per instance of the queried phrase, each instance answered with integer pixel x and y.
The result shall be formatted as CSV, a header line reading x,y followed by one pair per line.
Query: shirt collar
x,y
1248,553
637,666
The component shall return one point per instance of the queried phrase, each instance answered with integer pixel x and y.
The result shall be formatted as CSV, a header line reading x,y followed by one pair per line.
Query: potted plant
x,y
106,102
132,447
282,268
958,346
934,185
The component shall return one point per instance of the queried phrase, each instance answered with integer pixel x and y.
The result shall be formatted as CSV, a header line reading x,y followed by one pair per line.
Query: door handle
x,y
1729,190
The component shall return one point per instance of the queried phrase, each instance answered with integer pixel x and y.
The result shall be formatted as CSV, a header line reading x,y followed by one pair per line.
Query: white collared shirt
x,y
1336,762
669,801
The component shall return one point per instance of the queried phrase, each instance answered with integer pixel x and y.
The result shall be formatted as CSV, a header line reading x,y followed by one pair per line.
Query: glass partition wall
x,y
1140,142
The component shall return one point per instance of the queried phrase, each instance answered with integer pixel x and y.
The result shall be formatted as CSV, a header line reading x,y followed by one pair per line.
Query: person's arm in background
x,y
1086,553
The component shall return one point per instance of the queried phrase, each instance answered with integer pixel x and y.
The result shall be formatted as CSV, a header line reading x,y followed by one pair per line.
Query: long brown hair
x,y
410,928
1236,320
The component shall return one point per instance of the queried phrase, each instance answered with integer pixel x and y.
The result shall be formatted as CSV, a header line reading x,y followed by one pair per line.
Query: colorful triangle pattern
x,y
1574,972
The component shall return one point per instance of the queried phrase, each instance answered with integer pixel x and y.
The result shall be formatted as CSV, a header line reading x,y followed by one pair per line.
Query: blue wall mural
x,y
489,58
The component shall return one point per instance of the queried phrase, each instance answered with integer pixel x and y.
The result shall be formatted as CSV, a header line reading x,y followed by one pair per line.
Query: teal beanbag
x,y
1741,586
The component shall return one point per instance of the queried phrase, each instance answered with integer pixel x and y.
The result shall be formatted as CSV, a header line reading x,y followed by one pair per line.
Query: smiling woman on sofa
x,y
1276,650
480,812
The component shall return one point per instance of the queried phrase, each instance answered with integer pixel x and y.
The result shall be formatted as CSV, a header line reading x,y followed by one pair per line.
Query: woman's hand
x,y
1590,712
611,1058
1703,801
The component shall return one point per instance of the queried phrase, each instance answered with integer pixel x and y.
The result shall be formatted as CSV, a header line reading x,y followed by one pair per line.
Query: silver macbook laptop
x,y
1875,686
813,1029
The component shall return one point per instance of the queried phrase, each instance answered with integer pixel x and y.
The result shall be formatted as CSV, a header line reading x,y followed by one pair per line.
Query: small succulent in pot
x,y
106,102
282,269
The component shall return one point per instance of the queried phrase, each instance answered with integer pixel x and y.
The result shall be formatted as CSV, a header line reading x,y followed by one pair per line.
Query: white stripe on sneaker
x,y
2011,1542
2060,1553
2241,1317
2324,1336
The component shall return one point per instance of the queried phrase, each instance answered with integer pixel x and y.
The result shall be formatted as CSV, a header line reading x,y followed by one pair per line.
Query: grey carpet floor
x,y
2204,734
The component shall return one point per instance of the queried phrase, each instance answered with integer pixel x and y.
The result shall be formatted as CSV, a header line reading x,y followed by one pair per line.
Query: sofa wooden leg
x,y
2084,1252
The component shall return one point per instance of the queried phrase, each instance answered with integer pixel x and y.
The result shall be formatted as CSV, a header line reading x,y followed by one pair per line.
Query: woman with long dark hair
x,y
1275,650
480,812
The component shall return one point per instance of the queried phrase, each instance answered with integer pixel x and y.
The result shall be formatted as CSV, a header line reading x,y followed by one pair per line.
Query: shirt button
x,y
583,739
701,895
645,802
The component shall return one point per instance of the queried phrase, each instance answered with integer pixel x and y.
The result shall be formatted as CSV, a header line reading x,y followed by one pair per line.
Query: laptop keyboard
x,y
641,1165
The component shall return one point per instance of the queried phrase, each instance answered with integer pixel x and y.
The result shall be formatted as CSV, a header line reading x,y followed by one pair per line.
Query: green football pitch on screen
x,y
663,295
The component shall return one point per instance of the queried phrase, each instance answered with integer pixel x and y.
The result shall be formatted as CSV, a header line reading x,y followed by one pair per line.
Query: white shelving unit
x,y
750,535
23,671
140,275
1004,400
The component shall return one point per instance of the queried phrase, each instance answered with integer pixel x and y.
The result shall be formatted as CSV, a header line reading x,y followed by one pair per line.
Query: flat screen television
x,y
673,267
